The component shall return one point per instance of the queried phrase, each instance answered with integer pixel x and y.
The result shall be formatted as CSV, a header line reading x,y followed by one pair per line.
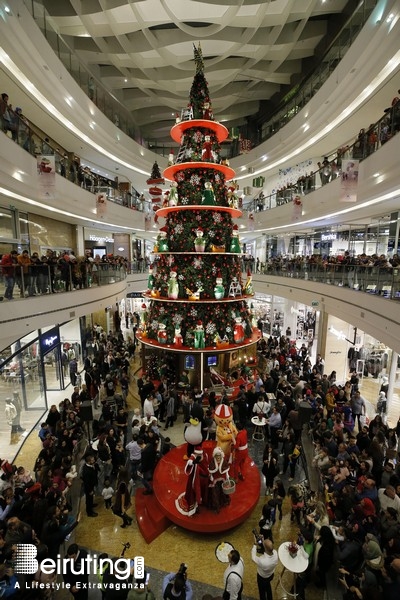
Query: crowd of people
x,y
53,272
315,262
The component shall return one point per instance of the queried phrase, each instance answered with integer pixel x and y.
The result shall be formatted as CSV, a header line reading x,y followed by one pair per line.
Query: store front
x,y
98,242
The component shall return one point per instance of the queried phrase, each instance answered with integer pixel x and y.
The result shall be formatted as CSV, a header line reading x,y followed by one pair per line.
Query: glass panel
x,y
6,224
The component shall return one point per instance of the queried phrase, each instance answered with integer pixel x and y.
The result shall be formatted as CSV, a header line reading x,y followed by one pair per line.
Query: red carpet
x,y
170,481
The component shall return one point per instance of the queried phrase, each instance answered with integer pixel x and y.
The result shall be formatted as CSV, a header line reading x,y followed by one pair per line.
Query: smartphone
x,y
147,578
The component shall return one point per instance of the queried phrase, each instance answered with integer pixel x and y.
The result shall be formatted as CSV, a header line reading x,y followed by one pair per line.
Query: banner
x,y
297,208
349,180
46,169
101,205
147,222
250,220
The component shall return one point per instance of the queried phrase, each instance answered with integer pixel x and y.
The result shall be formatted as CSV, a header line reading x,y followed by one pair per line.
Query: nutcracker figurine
x,y
219,290
208,195
235,244
150,279
161,334
171,158
199,335
206,154
162,245
173,194
238,331
143,317
173,286
199,242
207,114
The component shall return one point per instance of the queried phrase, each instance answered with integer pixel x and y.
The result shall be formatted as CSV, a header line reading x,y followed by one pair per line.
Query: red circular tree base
x,y
170,481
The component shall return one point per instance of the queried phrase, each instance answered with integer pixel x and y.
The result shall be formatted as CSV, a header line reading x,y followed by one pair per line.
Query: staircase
x,y
151,520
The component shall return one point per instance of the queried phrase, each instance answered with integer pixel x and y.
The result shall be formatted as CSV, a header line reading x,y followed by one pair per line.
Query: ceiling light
x,y
376,174
92,124
121,249
7,9
265,157
389,18
306,126
126,81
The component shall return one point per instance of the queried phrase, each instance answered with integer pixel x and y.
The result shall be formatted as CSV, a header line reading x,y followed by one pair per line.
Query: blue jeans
x,y
9,281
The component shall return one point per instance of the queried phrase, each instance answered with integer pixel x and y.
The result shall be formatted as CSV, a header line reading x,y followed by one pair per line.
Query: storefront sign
x,y
49,340
100,239
328,237
314,303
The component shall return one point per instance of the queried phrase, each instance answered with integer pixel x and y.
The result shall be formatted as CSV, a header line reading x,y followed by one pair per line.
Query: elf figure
x,y
150,279
199,336
162,240
235,244
232,197
173,194
206,154
199,242
178,339
173,286
219,290
161,334
238,331
208,195
171,158
248,286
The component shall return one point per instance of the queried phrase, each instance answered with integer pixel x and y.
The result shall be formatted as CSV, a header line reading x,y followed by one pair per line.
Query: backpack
x,y
226,595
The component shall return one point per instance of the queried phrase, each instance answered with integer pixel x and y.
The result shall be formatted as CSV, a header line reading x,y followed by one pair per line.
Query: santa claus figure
x,y
196,491
218,470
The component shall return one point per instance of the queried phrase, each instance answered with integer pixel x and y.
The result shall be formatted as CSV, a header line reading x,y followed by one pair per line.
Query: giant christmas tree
x,y
198,315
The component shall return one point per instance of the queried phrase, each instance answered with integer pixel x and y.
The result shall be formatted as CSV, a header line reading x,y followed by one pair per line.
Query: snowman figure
x,y
162,240
235,244
219,290
178,339
161,334
199,242
173,286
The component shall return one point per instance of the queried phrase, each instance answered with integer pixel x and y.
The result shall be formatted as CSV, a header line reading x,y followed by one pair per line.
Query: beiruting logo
x,y
25,562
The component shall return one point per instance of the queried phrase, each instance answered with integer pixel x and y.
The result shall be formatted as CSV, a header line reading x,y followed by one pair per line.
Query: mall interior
x,y
97,202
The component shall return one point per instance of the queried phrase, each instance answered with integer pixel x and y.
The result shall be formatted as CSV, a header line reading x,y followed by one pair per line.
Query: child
x,y
107,493
166,446
293,458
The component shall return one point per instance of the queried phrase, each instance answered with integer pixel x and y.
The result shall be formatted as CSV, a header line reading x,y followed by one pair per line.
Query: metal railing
x,y
383,282
37,280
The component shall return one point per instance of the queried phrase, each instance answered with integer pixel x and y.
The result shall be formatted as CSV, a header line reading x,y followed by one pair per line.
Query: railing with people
x,y
380,281
367,143
40,279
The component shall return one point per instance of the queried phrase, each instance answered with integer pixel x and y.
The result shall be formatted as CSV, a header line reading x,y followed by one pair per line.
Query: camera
x,y
259,542
182,568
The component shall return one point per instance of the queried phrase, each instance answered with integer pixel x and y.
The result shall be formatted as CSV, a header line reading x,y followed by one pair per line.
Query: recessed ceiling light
x,y
376,174
126,81
7,9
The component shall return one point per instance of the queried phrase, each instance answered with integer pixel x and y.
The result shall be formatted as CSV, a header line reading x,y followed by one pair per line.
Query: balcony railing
x,y
36,280
382,282
367,143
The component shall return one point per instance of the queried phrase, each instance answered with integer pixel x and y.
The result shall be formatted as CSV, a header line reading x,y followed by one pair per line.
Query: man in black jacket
x,y
76,576
149,459
90,479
